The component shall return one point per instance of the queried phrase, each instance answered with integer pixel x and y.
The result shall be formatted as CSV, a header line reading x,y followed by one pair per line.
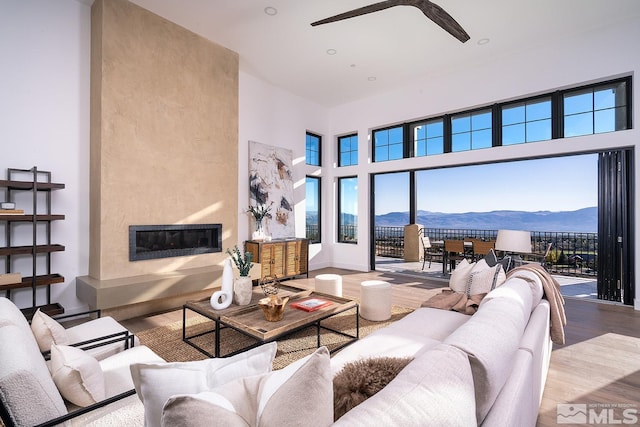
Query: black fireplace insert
x,y
165,241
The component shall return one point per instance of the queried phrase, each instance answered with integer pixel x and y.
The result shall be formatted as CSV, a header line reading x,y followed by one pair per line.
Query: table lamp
x,y
514,242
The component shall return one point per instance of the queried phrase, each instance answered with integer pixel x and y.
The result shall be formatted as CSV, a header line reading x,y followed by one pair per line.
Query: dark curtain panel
x,y
615,227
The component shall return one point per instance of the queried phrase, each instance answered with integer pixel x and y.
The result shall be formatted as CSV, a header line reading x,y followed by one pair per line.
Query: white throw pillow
x,y
483,278
155,383
299,394
47,331
77,375
460,276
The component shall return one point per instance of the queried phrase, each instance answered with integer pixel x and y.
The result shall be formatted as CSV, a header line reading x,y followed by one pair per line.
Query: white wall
x,y
273,116
599,55
44,120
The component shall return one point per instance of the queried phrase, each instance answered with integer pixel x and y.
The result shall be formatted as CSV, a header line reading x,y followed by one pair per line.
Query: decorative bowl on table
x,y
273,307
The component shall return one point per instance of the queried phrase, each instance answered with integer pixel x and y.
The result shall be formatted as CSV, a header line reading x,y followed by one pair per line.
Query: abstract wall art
x,y
271,184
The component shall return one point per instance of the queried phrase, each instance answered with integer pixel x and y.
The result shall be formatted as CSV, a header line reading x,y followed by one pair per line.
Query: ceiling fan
x,y
431,10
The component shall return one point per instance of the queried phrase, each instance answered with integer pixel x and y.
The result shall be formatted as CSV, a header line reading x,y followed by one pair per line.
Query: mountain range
x,y
581,221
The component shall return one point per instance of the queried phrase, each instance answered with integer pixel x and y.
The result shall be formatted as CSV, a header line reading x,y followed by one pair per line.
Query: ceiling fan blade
x,y
357,12
442,18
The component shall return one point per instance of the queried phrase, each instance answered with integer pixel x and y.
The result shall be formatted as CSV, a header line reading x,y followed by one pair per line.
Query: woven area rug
x,y
167,342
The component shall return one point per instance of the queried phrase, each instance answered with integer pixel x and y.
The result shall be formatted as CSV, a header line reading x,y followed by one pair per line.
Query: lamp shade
x,y
514,241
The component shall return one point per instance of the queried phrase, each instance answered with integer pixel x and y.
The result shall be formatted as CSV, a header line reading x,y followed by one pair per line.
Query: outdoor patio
x,y
571,286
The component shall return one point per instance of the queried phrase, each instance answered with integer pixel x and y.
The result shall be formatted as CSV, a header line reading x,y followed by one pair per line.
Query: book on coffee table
x,y
311,304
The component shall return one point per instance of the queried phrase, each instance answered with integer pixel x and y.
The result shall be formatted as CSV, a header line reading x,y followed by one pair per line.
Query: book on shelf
x,y
11,211
10,278
311,304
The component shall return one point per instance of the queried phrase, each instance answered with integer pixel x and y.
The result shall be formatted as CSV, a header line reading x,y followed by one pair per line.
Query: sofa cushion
x,y
11,314
301,392
77,375
430,323
26,387
516,290
535,284
157,382
95,328
117,368
47,331
435,389
515,405
361,379
490,339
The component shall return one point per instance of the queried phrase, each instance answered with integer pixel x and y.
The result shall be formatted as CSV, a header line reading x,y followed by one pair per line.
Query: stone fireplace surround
x,y
164,150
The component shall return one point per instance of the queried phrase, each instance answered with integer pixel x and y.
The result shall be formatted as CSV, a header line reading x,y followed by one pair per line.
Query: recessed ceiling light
x,y
331,51
372,79
271,11
483,41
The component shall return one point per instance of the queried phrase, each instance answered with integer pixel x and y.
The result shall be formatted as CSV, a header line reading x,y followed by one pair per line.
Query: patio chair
x,y
480,248
426,250
453,251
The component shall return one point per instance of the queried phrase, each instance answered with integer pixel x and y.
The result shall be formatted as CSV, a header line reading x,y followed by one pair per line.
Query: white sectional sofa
x,y
486,369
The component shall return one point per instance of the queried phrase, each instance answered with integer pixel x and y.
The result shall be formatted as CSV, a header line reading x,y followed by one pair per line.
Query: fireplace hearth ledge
x,y
115,293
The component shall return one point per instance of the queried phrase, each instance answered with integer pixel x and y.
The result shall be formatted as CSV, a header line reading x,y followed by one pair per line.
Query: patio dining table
x,y
468,247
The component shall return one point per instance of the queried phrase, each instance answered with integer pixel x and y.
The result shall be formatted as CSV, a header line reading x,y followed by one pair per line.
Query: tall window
x,y
312,222
348,210
471,131
313,149
428,137
596,109
388,144
527,121
348,149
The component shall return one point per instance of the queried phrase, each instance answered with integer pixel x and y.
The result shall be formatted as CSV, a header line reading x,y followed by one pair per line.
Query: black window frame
x,y
557,118
318,151
405,147
350,150
593,111
319,213
414,143
552,97
339,223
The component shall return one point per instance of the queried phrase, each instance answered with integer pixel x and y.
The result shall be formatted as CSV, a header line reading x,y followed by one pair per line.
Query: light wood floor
x,y
599,363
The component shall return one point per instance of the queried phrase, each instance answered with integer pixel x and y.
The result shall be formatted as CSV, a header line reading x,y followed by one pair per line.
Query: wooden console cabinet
x,y
282,259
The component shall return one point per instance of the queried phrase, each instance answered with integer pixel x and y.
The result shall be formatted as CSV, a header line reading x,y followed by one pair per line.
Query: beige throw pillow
x,y
155,383
47,331
77,375
460,276
300,394
482,278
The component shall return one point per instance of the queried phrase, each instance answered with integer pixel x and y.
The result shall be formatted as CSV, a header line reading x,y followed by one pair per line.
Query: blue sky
x,y
557,184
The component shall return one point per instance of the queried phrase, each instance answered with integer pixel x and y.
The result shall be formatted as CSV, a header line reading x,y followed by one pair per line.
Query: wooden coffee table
x,y
249,320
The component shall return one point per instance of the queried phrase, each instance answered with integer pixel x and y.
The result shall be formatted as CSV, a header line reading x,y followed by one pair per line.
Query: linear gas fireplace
x,y
165,241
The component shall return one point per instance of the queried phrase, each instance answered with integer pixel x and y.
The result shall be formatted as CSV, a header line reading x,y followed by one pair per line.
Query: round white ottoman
x,y
375,300
329,284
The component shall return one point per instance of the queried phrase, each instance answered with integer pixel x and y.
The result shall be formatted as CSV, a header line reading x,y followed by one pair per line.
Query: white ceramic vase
x,y
242,290
222,299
